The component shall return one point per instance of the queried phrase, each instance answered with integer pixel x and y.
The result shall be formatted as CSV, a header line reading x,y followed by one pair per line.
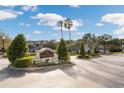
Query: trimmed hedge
x,y
23,62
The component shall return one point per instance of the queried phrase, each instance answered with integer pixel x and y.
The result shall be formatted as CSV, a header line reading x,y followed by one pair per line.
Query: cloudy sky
x,y
39,22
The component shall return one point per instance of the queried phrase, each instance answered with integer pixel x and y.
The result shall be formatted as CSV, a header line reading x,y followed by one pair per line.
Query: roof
x,y
46,49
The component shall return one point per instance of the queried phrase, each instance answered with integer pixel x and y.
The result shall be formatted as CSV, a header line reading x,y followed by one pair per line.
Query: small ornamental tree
x,y
62,51
18,48
82,50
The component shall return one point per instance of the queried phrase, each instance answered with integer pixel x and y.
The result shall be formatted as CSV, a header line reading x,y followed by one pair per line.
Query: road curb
x,y
40,68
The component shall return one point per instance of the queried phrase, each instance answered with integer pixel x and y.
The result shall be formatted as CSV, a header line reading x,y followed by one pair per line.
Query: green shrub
x,y
63,62
18,48
40,64
62,51
114,48
23,62
32,54
73,53
93,54
87,56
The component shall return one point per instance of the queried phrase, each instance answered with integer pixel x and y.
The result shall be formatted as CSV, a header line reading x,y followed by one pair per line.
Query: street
x,y
105,71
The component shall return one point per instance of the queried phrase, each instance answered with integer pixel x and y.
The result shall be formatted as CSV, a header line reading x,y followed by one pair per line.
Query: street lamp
x,y
3,50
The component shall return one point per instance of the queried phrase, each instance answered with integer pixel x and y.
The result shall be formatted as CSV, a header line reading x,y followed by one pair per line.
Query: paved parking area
x,y
106,71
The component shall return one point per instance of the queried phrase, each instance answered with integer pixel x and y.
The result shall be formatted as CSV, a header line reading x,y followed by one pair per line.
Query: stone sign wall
x,y
46,54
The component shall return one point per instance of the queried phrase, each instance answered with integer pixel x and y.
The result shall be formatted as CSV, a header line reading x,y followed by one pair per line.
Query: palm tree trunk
x,y
69,34
61,33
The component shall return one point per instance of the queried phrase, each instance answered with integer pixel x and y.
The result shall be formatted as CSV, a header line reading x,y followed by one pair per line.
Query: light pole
x,y
3,50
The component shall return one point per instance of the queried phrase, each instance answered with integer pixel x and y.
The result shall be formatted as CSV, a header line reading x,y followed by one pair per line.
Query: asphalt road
x,y
106,71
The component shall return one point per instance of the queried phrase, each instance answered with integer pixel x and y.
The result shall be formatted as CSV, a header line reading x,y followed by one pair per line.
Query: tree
x,y
115,48
7,41
82,50
60,24
18,48
50,44
115,41
115,45
62,51
104,39
73,46
68,24
89,40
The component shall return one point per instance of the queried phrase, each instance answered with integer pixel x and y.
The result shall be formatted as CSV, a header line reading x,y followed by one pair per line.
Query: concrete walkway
x,y
106,71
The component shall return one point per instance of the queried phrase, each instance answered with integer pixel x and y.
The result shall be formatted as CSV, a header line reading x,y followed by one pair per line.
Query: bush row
x,y
23,62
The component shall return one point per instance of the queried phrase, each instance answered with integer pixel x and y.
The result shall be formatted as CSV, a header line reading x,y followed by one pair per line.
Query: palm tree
x,y
60,24
68,24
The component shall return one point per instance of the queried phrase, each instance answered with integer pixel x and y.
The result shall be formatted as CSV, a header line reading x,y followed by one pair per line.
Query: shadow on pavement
x,y
108,69
92,76
6,73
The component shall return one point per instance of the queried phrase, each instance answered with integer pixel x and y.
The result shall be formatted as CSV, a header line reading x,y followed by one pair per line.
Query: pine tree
x,y
18,48
62,51
82,50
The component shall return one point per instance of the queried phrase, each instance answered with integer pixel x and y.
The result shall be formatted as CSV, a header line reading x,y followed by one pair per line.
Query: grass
x,y
117,52
88,57
73,54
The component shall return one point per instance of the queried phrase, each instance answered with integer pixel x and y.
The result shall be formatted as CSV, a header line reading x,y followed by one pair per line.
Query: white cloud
x,y
115,18
23,24
27,36
77,35
37,32
54,34
119,36
99,24
75,6
76,24
28,24
27,8
8,6
118,19
119,31
9,14
15,12
49,19
80,33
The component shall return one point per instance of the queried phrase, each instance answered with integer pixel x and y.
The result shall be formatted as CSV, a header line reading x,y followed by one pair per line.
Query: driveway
x,y
106,71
